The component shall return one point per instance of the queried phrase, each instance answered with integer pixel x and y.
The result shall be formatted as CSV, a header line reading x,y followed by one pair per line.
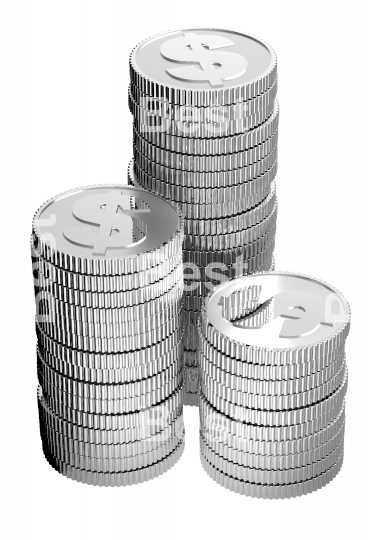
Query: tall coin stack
x,y
273,380
205,136
109,332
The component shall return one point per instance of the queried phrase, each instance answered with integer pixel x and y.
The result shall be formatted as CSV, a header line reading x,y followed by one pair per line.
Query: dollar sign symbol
x,y
109,210
302,312
216,66
296,314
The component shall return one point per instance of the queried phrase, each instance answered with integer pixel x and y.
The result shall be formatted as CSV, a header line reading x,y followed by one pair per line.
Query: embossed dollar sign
x,y
296,314
111,212
214,66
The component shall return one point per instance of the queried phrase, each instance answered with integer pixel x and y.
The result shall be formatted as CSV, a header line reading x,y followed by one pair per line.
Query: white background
x,y
65,123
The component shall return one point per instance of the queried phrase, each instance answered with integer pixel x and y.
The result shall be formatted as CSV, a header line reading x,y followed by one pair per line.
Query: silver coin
x,y
257,175
243,435
272,477
113,375
109,428
113,465
104,299
113,344
63,236
309,316
103,284
125,478
213,146
274,462
191,113
262,401
58,400
164,65
219,431
144,151
257,248
109,330
265,386
254,190
264,491
104,316
320,413
234,223
145,121
314,370
120,450
106,391
232,240
102,361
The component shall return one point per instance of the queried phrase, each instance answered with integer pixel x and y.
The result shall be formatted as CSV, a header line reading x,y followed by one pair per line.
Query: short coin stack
x,y
205,136
109,332
273,380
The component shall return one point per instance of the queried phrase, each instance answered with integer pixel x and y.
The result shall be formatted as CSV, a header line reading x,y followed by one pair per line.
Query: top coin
x,y
307,315
203,66
90,230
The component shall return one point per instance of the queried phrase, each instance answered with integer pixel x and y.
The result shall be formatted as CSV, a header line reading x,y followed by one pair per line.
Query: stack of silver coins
x,y
273,380
205,136
109,332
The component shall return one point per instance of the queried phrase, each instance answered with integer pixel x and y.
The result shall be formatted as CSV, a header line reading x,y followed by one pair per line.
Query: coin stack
x,y
109,332
273,380
205,136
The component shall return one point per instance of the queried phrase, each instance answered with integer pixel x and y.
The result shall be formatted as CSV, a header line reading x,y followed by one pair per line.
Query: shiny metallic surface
x,y
146,121
162,292
228,429
123,360
266,491
213,146
115,478
43,270
306,312
62,234
59,221
269,476
253,190
163,109
111,429
163,65
219,179
108,282
206,138
219,163
272,381
317,413
275,462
